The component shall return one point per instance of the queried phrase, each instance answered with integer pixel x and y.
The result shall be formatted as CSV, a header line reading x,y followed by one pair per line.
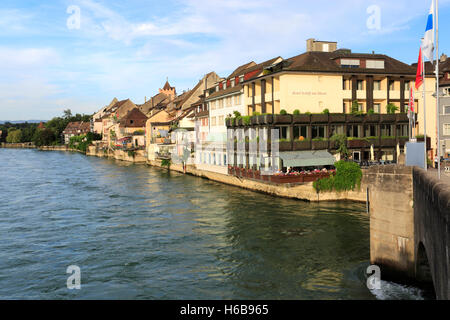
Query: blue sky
x,y
126,49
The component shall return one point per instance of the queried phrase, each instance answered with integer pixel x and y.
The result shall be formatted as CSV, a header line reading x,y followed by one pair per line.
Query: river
x,y
138,232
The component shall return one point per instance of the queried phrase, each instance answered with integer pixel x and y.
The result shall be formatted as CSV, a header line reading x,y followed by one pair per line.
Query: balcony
x,y
300,145
319,144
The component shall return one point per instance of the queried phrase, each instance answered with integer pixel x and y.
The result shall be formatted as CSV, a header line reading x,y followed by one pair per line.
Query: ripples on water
x,y
143,233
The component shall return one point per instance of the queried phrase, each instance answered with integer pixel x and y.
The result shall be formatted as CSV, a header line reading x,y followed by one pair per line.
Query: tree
x,y
14,136
44,137
67,114
341,145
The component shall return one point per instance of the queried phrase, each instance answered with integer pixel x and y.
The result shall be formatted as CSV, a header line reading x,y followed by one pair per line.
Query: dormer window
x,y
350,63
374,64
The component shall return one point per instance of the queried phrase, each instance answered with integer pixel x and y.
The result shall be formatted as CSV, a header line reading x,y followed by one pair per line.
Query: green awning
x,y
307,158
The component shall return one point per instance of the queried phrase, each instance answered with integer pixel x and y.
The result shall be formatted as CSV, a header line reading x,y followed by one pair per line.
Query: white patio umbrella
x,y
372,153
398,151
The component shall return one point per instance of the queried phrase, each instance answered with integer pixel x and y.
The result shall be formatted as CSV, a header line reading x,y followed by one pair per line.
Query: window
x,y
213,121
377,107
402,130
360,107
374,64
354,131
446,109
391,85
336,129
377,85
387,130
446,91
220,103
344,84
284,132
212,105
446,129
407,86
300,131
221,121
318,132
360,85
371,130
349,63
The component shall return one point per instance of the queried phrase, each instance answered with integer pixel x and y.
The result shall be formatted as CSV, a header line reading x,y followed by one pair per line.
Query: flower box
x,y
301,118
354,118
375,142
403,140
319,144
265,119
337,117
402,117
285,145
254,120
319,118
300,145
388,117
282,119
373,118
388,142
358,143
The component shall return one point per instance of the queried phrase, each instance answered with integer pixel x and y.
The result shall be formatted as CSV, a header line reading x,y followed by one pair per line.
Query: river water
x,y
138,232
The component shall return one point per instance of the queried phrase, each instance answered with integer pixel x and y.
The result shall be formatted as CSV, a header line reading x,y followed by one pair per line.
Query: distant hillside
x,y
22,121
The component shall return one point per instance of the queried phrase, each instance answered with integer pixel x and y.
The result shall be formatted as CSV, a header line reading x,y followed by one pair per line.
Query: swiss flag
x,y
419,74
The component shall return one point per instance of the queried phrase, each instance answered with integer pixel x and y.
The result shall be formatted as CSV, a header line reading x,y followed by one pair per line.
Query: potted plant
x,y
282,118
388,141
285,145
319,118
302,144
319,144
300,118
337,117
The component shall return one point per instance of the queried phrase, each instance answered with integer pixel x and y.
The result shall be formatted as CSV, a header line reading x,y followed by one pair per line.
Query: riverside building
x,y
330,92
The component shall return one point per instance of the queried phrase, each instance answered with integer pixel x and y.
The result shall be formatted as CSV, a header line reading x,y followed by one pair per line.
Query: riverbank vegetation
x,y
82,142
348,177
50,135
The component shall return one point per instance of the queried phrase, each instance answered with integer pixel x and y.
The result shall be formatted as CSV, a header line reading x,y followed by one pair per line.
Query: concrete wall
x,y
140,155
392,220
432,228
301,192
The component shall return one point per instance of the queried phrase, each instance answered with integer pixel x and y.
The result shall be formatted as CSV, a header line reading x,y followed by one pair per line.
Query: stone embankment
x,y
25,145
304,192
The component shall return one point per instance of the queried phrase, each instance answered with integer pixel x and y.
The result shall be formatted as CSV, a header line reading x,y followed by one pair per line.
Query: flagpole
x,y
424,112
437,91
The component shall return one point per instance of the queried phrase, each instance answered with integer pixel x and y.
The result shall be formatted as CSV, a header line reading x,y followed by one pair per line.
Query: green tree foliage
x,y
348,177
341,144
14,136
296,112
391,108
283,112
355,107
326,111
44,137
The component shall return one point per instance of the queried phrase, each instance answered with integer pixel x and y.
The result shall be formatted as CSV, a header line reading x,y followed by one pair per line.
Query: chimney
x,y
145,99
443,57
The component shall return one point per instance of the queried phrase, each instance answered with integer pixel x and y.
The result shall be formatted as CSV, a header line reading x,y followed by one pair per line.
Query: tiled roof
x,y
241,69
328,62
77,127
227,91
134,119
